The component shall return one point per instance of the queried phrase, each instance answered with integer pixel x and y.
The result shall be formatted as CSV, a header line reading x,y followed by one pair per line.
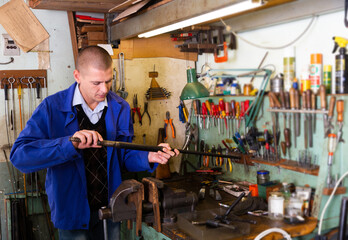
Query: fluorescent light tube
x,y
223,12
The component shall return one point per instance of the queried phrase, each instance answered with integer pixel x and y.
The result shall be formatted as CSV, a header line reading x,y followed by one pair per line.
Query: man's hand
x,y
89,139
162,157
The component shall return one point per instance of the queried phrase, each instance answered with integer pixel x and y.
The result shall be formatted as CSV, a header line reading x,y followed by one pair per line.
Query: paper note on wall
x,y
22,25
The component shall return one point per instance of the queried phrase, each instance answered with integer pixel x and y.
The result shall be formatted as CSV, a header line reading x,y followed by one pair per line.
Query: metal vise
x,y
161,201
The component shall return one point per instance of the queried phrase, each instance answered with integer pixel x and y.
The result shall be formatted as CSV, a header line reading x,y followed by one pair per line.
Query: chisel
x,y
292,106
313,107
298,115
322,94
310,123
304,107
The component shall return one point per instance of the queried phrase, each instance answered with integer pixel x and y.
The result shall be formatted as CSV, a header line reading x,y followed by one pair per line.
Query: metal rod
x,y
148,148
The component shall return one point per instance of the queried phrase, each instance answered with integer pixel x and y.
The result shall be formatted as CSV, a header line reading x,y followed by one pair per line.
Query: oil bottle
x,y
341,65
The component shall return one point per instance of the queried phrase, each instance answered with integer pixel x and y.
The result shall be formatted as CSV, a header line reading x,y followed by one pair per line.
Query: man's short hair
x,y
93,56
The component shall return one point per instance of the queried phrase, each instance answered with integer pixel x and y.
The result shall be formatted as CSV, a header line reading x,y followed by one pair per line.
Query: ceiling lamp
x,y
223,12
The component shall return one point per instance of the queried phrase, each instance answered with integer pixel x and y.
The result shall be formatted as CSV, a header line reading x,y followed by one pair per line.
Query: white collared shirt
x,y
93,115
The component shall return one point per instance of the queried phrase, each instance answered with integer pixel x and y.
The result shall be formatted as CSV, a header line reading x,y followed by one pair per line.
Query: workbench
x,y
192,183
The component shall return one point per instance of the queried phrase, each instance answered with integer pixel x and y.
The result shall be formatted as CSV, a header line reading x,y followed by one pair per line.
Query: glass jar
x,y
276,206
262,177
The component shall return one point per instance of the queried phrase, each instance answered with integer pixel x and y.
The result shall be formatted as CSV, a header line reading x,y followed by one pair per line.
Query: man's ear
x,y
77,76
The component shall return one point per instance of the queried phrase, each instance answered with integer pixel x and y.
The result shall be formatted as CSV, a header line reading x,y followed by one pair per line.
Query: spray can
x,y
341,65
305,81
315,72
327,78
289,67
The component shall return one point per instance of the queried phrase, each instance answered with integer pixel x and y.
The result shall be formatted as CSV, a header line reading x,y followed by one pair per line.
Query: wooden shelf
x,y
286,164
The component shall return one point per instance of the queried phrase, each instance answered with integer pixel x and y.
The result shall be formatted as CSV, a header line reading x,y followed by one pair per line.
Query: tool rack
x,y
288,170
38,75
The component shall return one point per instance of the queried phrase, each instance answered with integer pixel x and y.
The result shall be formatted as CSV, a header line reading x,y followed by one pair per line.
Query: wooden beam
x,y
76,5
282,13
166,14
73,34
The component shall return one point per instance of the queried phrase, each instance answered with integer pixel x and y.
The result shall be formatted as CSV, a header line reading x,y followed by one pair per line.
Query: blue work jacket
x,y
44,144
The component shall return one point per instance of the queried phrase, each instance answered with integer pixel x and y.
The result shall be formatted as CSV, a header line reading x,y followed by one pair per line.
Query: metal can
x,y
327,78
277,83
262,177
276,205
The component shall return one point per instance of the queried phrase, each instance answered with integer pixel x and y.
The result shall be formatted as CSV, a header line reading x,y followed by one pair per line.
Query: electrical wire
x,y
268,231
228,28
11,61
329,200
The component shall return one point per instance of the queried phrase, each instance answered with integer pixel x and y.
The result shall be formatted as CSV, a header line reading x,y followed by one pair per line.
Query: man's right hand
x,y
89,139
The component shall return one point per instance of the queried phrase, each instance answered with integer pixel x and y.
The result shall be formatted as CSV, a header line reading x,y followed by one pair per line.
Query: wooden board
x,y
159,46
76,5
96,36
92,28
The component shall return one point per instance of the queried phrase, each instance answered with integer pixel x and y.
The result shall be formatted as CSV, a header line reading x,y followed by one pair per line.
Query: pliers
x,y
228,163
213,150
205,157
219,160
136,109
146,104
167,121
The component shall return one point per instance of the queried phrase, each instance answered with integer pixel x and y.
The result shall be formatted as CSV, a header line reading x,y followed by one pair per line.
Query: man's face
x,y
94,84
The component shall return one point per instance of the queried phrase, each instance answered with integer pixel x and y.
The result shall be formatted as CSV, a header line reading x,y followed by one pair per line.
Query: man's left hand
x,y
162,157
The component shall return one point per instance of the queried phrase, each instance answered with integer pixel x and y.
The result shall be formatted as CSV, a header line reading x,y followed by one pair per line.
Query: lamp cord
x,y
228,28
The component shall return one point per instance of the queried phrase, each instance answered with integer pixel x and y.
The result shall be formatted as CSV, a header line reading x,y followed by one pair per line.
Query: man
x,y
82,176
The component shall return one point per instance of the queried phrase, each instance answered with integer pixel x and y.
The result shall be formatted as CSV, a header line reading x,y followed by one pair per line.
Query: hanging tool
x,y
297,115
206,157
122,88
292,106
209,110
7,122
31,81
287,107
146,105
222,111
219,160
147,148
169,121
228,116
197,106
233,112
183,114
310,123
322,93
313,108
11,81
204,114
274,103
340,110
304,107
246,113
287,140
331,149
237,116
330,115
136,109
282,102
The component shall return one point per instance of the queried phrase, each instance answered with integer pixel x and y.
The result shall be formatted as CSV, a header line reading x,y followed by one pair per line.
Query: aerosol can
x,y
341,65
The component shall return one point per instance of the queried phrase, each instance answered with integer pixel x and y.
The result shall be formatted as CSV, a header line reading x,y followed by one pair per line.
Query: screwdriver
x,y
330,114
310,125
298,116
228,116
207,104
237,115
233,111
340,109
246,112
304,106
204,114
287,106
223,112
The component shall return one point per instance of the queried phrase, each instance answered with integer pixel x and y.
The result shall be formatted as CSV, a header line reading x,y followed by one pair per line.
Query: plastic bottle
x,y
289,67
327,79
315,72
341,65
